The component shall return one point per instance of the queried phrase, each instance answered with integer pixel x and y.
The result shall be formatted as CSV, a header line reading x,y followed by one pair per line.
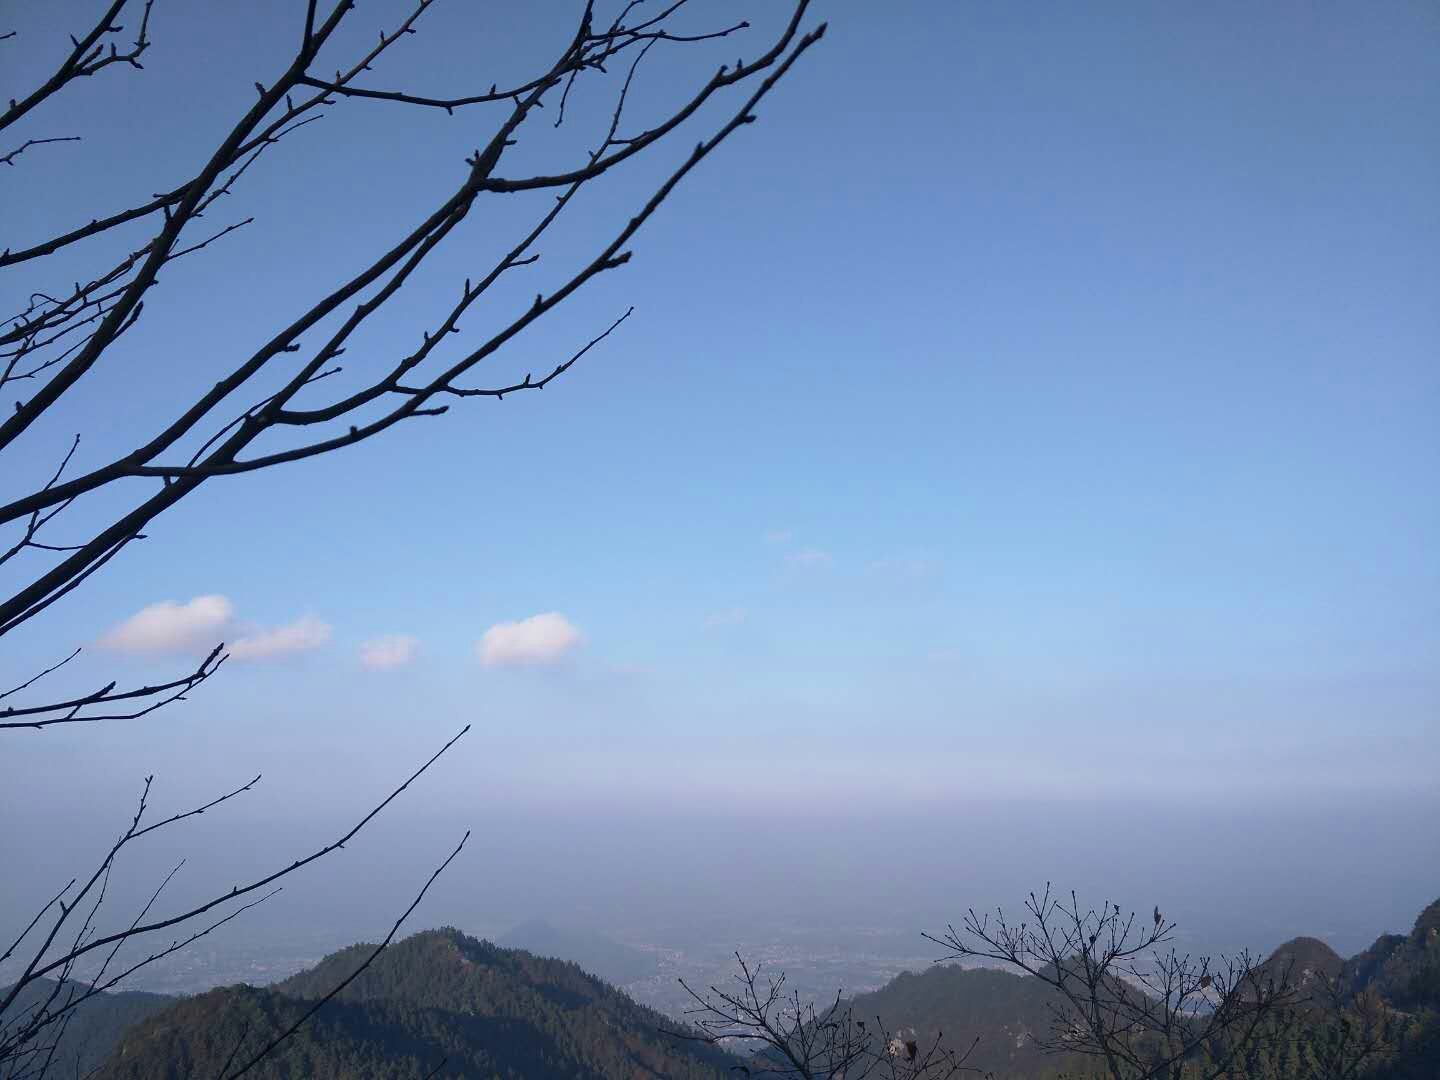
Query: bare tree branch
x,y
59,965
71,711
87,58
69,523
9,159
268,1047
1125,997
394,267
791,1037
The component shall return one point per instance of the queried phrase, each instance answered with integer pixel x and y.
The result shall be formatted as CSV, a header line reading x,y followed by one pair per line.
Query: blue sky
x,y
1035,400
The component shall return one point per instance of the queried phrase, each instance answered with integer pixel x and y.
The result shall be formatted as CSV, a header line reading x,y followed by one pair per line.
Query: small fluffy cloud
x,y
201,624
540,639
304,634
168,627
390,651
729,617
778,536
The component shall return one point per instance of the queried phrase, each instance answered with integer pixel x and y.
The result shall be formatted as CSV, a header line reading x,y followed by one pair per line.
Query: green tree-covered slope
x,y
94,1025
437,996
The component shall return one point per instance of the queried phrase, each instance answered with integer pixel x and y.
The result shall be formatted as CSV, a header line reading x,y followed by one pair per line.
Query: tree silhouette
x,y
1124,996
791,1037
274,403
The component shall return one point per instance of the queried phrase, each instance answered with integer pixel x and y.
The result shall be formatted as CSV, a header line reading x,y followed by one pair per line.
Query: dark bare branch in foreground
x,y
790,1036
73,711
385,944
62,524
88,57
59,964
100,312
9,159
1125,997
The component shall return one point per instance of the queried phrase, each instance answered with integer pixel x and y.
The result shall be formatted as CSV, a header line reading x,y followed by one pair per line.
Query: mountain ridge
x,y
488,1011
437,1003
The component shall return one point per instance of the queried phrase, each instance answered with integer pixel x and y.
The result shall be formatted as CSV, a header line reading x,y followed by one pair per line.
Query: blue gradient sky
x,y
1035,402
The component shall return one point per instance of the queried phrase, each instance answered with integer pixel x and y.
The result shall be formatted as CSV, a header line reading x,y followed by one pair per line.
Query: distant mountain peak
x,y
1427,925
1306,958
1306,946
437,1003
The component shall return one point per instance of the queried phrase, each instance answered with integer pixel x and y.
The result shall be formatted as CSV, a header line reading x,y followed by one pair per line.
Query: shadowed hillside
x,y
437,996
1008,1013
440,1003
95,1025
1386,998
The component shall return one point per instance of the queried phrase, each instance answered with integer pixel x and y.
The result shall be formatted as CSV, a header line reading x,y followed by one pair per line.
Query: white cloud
x,y
779,536
810,557
304,634
169,627
204,622
729,617
389,651
540,639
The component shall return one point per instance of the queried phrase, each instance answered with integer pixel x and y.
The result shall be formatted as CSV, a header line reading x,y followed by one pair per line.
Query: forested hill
x,y
93,1026
486,1011
1404,968
1396,982
1007,1014
437,996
